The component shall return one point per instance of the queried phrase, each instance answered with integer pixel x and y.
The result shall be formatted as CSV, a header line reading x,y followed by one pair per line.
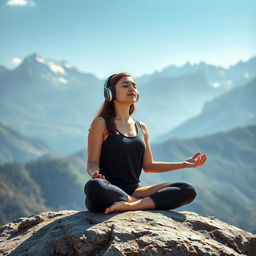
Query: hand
x,y
96,174
192,162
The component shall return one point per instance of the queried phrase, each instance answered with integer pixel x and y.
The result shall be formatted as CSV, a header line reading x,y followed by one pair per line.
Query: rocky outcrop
x,y
147,232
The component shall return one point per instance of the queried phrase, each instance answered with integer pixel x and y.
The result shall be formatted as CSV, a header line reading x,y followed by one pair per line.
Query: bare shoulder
x,y
98,124
144,128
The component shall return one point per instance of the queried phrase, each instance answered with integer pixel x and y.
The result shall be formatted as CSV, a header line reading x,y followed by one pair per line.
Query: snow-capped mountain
x,y
217,77
54,101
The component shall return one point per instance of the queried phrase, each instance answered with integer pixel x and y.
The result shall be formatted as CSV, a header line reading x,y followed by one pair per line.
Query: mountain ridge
x,y
234,108
55,102
59,180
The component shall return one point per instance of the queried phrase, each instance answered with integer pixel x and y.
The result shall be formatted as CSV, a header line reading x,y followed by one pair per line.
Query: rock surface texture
x,y
148,232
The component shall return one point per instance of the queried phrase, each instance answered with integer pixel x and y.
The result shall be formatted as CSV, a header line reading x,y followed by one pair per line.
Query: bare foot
x,y
118,206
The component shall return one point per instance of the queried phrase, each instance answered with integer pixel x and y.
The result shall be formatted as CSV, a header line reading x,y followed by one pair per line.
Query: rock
x,y
147,232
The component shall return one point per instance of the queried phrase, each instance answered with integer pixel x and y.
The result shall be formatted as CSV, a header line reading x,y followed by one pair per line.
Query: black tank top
x,y
121,157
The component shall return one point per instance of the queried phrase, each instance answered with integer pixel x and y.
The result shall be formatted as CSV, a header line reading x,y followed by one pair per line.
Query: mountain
x,y
49,100
55,102
167,102
217,77
15,147
43,184
234,108
19,194
35,72
225,184
3,70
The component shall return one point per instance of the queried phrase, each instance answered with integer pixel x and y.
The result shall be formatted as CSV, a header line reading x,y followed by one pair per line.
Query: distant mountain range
x,y
234,108
216,76
55,102
15,147
47,106
225,184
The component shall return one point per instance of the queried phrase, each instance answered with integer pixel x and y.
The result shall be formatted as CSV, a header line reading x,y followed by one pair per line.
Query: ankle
x,y
132,199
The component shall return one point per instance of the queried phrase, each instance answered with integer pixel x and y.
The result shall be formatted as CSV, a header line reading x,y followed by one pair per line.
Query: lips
x,y
132,94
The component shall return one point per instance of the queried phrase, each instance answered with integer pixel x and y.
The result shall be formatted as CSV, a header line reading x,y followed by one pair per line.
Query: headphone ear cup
x,y
109,91
107,94
113,92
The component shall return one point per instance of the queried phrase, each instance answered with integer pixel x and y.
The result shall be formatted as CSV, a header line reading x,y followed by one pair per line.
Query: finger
x,y
196,155
203,160
198,161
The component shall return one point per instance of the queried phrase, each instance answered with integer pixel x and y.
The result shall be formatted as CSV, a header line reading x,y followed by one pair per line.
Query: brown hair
x,y
107,110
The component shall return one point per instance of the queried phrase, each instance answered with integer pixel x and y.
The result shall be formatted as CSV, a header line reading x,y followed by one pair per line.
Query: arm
x,y
157,167
151,166
95,140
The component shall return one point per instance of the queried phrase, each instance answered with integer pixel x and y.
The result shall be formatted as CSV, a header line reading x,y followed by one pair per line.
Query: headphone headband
x,y
108,80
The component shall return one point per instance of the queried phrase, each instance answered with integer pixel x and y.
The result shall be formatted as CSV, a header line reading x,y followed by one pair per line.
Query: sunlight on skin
x,y
118,206
140,204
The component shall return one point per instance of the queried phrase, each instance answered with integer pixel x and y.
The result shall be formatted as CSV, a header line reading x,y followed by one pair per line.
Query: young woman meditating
x,y
119,148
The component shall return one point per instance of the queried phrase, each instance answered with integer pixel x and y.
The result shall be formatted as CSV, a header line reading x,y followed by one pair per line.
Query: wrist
x,y
90,173
184,165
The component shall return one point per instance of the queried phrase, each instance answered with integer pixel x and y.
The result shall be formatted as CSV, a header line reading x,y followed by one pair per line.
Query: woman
x,y
119,148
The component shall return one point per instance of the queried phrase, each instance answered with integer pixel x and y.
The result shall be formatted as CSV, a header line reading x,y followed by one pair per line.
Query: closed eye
x,y
128,85
133,84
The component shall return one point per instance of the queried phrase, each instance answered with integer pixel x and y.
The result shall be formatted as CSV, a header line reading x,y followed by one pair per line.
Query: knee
x,y
92,186
191,192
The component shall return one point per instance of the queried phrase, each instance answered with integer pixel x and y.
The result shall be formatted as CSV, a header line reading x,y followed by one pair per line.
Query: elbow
x,y
147,168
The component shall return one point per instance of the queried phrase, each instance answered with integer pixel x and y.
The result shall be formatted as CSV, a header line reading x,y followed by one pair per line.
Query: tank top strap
x,y
137,124
139,128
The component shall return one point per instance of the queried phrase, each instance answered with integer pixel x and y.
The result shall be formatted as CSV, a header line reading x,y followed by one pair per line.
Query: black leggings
x,y
100,194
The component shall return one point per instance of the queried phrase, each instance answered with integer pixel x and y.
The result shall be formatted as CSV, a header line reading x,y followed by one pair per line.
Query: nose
x,y
132,89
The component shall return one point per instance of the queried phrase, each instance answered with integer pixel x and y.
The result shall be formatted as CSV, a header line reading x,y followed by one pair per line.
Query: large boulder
x,y
146,232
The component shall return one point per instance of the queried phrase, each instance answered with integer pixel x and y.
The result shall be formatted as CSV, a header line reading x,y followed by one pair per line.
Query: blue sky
x,y
140,37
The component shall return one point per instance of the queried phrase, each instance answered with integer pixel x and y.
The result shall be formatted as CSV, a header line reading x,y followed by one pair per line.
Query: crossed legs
x,y
103,196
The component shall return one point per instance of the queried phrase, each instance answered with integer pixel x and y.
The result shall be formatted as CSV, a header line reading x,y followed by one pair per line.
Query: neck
x,y
122,112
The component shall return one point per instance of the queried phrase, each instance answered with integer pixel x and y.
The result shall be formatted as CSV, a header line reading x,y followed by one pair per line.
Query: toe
x,y
108,210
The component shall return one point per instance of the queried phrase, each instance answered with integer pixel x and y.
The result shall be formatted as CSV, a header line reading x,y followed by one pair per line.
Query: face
x,y
126,90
